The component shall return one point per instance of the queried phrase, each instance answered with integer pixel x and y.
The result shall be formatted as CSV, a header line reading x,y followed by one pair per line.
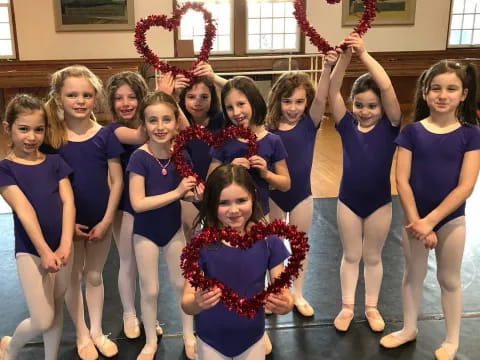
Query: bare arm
x,y
205,69
195,301
213,165
279,303
130,136
405,192
335,99
320,101
68,219
280,177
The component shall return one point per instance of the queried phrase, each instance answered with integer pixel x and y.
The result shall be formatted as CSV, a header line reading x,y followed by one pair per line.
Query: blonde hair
x,y
284,88
56,131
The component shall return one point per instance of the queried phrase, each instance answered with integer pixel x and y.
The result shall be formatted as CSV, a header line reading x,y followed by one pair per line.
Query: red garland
x,y
368,15
171,24
198,132
232,300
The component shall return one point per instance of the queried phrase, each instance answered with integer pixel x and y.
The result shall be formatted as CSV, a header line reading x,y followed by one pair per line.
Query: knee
x,y
94,278
43,322
149,293
372,260
351,257
449,282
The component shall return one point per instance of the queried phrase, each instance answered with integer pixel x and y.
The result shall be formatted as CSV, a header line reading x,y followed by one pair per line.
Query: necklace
x,y
164,167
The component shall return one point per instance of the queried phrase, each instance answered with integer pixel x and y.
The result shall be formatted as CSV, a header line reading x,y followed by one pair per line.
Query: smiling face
x,y
27,132
77,98
125,103
160,123
293,107
198,101
234,207
445,93
238,108
367,108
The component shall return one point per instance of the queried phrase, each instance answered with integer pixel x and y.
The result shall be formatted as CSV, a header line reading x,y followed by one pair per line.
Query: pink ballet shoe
x,y
375,320
148,352
268,344
392,341
131,327
158,329
190,347
444,352
303,307
87,351
343,320
105,346
4,346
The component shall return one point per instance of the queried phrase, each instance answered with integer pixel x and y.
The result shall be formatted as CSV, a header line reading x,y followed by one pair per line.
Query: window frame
x,y
459,46
239,34
13,39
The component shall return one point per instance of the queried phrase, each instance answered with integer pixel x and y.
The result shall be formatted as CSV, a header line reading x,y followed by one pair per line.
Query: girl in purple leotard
x,y
295,113
155,192
364,210
437,168
93,153
231,200
37,188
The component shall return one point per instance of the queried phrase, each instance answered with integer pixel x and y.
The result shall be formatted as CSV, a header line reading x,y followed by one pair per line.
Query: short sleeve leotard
x,y
89,161
124,158
158,225
436,164
299,143
270,147
367,161
39,183
243,271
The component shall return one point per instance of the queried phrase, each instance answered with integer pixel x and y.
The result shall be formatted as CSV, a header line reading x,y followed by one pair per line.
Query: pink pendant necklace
x,y
164,167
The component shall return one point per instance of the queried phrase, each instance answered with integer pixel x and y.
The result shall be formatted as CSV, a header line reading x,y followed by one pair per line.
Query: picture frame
x,y
94,15
389,12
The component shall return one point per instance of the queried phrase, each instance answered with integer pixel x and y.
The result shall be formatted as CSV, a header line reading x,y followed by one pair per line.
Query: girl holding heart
x,y
364,210
231,200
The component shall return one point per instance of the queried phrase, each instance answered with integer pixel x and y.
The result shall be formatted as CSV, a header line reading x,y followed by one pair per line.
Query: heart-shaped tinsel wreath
x,y
258,232
368,15
198,132
171,24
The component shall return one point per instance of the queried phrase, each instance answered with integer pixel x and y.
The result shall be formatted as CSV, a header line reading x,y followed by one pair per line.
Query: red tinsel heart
x,y
368,15
258,232
198,132
171,24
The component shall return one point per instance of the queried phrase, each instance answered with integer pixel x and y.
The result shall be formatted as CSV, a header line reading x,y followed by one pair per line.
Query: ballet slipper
x,y
4,346
87,351
131,327
392,341
148,352
158,329
190,347
303,307
343,320
105,346
268,343
375,320
443,353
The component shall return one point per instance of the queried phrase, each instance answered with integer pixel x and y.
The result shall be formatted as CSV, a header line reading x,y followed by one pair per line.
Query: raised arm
x,y
389,98
335,99
166,83
320,101
130,136
205,69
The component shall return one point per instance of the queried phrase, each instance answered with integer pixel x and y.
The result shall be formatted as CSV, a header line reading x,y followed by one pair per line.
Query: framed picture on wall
x,y
389,12
93,15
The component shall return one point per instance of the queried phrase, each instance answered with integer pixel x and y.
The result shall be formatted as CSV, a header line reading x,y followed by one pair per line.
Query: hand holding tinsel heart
x,y
258,232
171,24
368,15
198,132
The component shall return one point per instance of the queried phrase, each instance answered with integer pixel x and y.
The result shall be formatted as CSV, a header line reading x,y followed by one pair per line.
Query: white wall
x,y
37,39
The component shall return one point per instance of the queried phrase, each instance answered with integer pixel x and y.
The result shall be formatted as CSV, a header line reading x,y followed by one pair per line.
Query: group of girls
x,y
120,179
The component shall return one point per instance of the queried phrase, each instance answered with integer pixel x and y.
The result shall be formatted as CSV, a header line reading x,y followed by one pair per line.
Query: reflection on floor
x,y
293,337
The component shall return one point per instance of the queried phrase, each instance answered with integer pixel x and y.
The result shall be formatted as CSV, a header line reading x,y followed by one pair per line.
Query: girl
x,y
294,113
231,200
155,191
243,105
364,210
37,188
437,167
125,91
93,153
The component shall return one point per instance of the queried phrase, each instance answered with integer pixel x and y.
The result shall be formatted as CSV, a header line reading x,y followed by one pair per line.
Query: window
x,y
7,49
464,23
266,26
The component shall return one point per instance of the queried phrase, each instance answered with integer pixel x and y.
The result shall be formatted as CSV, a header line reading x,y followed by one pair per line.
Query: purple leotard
x,y
436,164
243,271
158,225
367,160
89,161
299,143
124,203
270,147
39,183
